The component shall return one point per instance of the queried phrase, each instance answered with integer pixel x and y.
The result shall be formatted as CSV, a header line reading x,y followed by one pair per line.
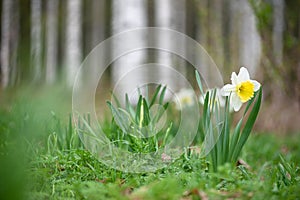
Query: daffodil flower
x,y
184,98
241,90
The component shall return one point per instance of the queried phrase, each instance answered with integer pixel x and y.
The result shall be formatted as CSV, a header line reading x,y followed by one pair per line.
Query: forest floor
x,y
41,157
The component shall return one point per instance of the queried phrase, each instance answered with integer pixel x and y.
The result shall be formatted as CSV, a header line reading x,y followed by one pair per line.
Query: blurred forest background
x,y
44,43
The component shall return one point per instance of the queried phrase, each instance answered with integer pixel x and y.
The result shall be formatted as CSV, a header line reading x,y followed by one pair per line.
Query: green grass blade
x,y
167,134
287,167
69,132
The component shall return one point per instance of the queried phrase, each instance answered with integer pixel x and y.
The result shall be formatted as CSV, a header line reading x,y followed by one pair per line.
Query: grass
x,y
41,157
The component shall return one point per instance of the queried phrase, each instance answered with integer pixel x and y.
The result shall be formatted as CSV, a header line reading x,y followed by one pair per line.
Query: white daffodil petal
x,y
243,75
227,89
236,102
256,85
234,78
220,98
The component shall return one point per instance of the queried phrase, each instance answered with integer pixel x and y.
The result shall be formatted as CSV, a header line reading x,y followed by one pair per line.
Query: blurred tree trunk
x,y
127,15
51,43
94,25
249,41
170,14
98,19
15,31
215,32
9,42
73,37
202,32
36,39
210,34
228,31
97,34
5,40
278,27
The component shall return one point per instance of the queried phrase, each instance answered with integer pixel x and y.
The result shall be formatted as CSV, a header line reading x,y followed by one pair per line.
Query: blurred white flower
x,y
241,89
184,98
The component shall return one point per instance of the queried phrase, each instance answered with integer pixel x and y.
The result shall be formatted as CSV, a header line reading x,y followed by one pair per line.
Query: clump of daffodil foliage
x,y
139,128
223,143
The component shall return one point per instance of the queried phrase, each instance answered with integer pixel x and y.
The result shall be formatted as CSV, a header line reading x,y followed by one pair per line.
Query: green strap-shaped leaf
x,y
162,95
117,116
248,126
235,138
154,96
226,132
206,111
138,115
146,113
129,108
199,81
116,100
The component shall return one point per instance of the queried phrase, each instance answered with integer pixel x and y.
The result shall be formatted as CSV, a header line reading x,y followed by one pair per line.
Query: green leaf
x,y
159,113
129,108
117,116
162,95
235,138
248,126
199,81
139,112
248,105
167,134
146,113
125,117
206,111
154,96
116,99
147,94
226,132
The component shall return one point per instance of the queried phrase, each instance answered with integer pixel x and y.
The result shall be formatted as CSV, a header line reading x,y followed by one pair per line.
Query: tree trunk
x,y
51,40
97,35
278,27
36,39
73,39
170,14
248,36
215,32
5,39
128,15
